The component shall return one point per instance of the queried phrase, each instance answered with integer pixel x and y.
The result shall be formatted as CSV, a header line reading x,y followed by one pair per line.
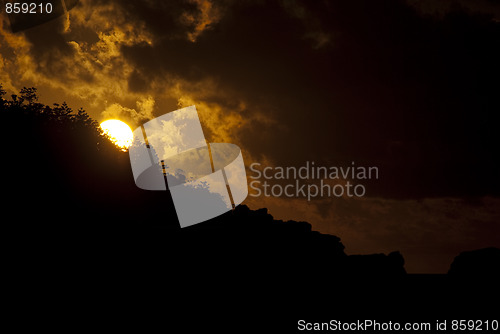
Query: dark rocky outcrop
x,y
82,241
477,263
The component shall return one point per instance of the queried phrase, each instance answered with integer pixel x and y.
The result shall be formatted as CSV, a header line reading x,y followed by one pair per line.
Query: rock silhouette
x,y
76,224
480,263
65,176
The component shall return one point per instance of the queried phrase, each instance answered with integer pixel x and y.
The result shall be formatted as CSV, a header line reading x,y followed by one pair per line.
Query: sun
x,y
119,132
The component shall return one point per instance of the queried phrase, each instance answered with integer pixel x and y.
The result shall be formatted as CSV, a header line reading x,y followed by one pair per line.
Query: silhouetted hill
x,y
376,264
480,263
79,232
65,177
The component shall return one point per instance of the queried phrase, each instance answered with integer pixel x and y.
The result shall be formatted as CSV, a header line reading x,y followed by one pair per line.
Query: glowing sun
x,y
119,132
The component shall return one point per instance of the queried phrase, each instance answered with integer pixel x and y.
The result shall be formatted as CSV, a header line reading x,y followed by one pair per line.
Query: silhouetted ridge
x,y
376,264
70,186
74,222
477,263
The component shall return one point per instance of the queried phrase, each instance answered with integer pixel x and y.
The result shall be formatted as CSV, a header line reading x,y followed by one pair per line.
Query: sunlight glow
x,y
119,132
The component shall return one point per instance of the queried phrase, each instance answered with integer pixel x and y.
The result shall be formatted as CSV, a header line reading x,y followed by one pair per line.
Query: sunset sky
x,y
411,87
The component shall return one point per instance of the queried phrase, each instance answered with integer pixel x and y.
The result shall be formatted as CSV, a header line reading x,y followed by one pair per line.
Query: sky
x,y
410,87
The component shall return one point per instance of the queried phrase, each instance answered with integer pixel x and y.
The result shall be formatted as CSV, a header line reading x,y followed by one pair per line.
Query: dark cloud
x,y
374,82
414,95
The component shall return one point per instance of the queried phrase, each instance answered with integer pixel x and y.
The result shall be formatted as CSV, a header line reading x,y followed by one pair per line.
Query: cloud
x,y
379,89
208,13
69,56
14,54
309,18
143,111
